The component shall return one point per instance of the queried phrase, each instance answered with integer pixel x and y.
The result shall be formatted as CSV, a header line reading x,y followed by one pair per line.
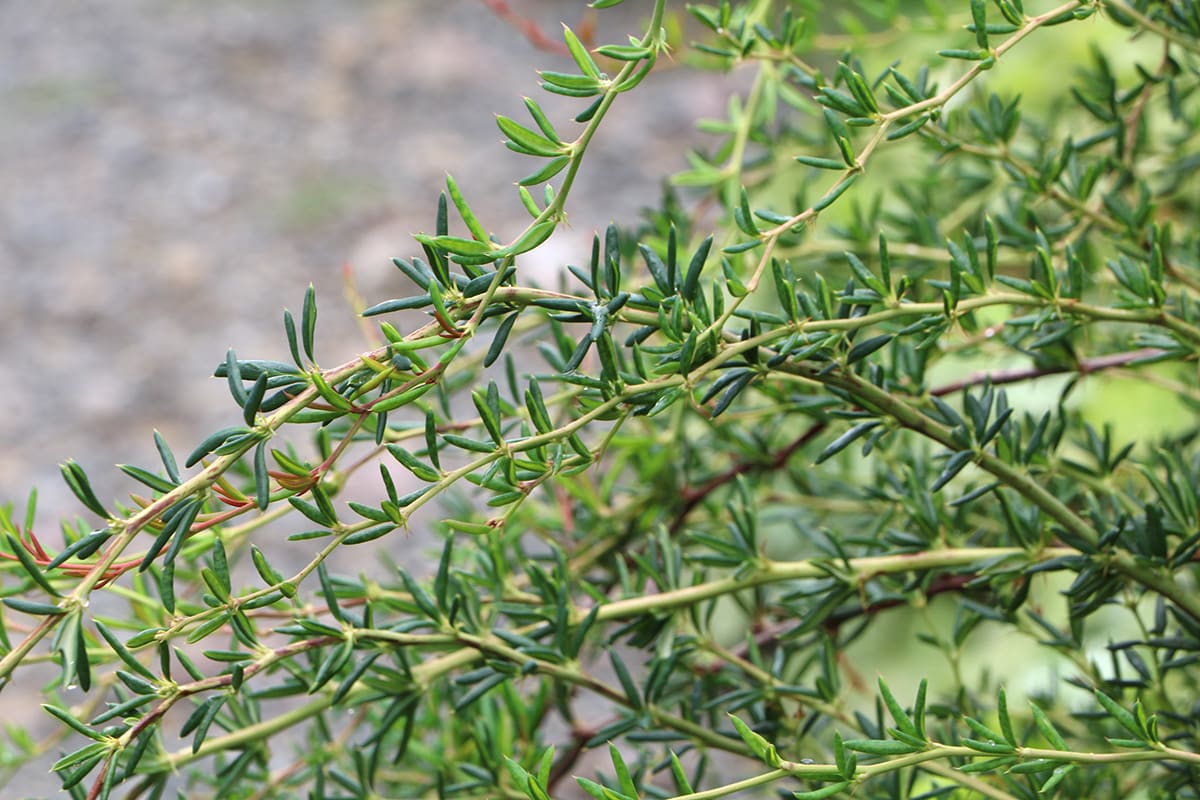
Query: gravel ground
x,y
173,173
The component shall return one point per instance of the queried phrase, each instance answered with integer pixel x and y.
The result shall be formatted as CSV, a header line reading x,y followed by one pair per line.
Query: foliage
x,y
810,399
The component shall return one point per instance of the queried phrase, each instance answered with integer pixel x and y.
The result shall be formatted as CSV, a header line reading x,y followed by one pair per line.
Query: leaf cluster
x,y
851,392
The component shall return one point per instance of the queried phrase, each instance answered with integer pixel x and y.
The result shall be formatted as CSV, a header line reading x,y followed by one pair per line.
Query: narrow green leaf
x,y
836,126
289,328
213,441
833,194
988,765
311,511
1047,729
903,722
233,375
321,498
421,597
455,245
465,443
624,52
825,791
552,168
821,163
31,567
65,717
181,528
413,464
864,348
731,393
993,748
530,239
473,225
979,18
758,744
570,85
168,458
536,406
262,479
335,659
254,399
77,481
847,763
308,325
123,652
1035,766
880,747
864,275
848,105
591,787
543,122
166,587
489,417
203,720
964,55
1060,772
919,707
859,89
524,140
908,128
38,609
682,785
846,439
519,775
691,281
220,566
81,548
82,761
270,576
1005,721
627,685
583,59
954,465
479,690
745,217
624,780
545,765
401,304
527,199
1127,720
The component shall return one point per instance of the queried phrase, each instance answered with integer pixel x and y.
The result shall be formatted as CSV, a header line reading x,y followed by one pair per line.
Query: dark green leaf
x,y
846,439
77,480
308,324
868,346
214,441
34,607
692,281
168,458
954,465
30,566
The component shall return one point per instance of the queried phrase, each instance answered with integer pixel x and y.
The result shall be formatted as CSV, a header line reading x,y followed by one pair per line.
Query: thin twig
x,y
1084,366
526,27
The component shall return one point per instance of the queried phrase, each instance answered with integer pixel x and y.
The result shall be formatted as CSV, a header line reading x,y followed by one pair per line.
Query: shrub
x,y
897,382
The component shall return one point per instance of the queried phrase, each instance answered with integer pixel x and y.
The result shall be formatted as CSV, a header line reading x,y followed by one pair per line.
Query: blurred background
x,y
174,173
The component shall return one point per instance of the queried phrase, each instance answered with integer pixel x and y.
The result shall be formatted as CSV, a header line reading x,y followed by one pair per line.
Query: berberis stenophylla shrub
x,y
803,405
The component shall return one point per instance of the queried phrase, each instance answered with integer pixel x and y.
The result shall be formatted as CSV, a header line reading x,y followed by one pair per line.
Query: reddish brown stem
x,y
1083,366
692,496
526,27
